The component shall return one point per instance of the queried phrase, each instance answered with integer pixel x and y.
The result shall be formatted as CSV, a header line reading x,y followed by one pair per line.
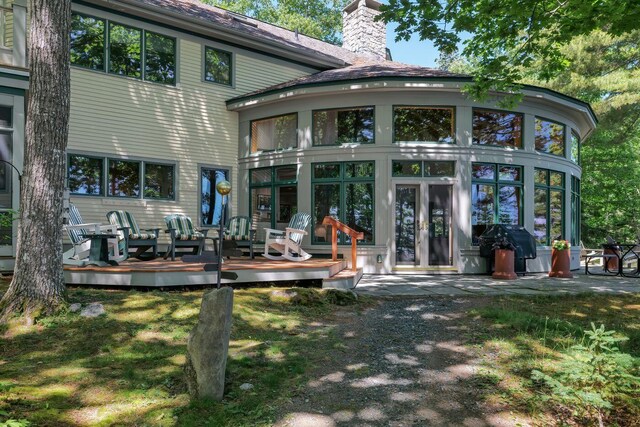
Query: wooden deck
x,y
162,273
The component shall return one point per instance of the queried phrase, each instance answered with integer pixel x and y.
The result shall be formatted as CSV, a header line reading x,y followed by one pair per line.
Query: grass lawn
x,y
519,334
125,367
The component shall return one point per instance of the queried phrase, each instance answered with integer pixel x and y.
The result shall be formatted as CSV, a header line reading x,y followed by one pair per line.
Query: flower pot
x,y
611,263
504,265
560,264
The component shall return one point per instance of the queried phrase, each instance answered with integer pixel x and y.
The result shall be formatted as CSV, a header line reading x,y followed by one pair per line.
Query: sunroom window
x,y
501,128
87,41
549,137
274,133
423,124
343,126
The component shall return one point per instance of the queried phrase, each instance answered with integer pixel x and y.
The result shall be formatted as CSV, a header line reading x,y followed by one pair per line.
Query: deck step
x,y
346,279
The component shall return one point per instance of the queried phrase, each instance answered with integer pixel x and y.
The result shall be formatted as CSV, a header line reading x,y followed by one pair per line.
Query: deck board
x,y
162,273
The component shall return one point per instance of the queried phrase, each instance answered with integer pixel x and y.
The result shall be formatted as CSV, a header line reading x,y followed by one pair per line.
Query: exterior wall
x,y
13,31
188,124
384,151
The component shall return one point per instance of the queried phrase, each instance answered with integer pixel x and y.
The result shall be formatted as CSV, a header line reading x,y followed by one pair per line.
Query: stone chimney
x,y
360,33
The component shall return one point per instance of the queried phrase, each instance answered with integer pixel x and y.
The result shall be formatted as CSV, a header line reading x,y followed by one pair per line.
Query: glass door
x,y
407,225
439,229
7,175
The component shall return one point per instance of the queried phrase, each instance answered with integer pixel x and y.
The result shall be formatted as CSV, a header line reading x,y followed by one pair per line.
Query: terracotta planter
x,y
504,268
560,263
611,264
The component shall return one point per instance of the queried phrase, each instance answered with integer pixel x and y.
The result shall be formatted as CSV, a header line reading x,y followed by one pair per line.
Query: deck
x,y
163,273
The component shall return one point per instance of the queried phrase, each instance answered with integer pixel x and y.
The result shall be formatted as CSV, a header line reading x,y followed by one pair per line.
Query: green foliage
x,y
10,422
319,19
592,378
605,71
508,37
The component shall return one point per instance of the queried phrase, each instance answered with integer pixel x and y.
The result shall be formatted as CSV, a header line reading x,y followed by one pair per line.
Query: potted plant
x,y
504,254
560,259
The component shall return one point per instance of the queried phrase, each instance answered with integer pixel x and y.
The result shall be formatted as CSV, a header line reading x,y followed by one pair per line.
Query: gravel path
x,y
404,364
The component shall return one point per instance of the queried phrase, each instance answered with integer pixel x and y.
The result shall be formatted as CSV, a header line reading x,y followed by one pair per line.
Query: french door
x,y
423,225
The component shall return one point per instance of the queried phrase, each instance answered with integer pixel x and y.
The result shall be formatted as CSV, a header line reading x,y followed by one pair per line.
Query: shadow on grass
x,y
126,367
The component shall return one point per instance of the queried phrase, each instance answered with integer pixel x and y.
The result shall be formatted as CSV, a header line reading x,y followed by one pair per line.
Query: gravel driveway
x,y
404,364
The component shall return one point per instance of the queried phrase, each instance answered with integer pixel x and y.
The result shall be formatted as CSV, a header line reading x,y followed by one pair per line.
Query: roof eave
x,y
157,14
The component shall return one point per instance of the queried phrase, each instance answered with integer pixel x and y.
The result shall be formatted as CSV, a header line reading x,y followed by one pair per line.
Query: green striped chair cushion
x,y
238,229
299,221
75,235
183,226
125,219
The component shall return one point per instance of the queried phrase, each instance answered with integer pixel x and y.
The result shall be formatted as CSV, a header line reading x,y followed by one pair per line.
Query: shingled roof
x,y
368,70
240,25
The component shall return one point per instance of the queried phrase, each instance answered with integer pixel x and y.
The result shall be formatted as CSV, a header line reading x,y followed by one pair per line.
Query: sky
x,y
414,51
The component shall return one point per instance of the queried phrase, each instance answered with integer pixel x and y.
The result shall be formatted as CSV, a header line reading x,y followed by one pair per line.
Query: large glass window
x,y
274,133
549,137
217,66
575,148
131,52
125,50
87,41
158,181
548,207
497,128
123,178
344,191
496,196
274,197
576,211
160,58
85,175
343,126
210,199
423,124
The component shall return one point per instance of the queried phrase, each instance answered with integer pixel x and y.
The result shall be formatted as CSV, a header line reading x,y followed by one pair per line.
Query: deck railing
x,y
355,236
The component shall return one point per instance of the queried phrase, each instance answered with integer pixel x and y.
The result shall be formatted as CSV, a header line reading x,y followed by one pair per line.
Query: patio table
x,y
99,249
614,255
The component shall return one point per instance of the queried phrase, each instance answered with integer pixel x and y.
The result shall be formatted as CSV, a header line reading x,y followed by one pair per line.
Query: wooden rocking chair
x,y
288,242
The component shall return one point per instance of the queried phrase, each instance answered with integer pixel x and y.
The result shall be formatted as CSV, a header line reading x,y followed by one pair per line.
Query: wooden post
x,y
354,254
334,243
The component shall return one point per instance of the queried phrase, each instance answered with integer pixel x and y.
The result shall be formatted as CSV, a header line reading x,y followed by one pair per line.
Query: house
x,y
170,96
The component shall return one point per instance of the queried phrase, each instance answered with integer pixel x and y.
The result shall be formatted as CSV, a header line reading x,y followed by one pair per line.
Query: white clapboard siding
x,y
188,124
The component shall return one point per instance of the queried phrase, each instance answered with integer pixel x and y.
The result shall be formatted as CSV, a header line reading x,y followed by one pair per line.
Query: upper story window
x,y
502,128
87,42
125,51
549,137
130,51
423,124
6,24
575,148
343,126
274,133
217,66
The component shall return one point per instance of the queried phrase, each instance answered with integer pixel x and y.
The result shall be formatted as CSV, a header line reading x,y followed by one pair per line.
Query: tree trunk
x,y
38,283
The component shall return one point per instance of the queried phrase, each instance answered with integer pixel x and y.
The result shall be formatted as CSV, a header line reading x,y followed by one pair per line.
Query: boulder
x,y
208,345
94,309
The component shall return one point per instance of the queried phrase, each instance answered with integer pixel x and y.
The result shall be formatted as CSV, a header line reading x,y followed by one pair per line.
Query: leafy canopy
x,y
510,35
319,19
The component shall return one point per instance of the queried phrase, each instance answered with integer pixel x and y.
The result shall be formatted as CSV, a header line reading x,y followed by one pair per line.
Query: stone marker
x,y
208,345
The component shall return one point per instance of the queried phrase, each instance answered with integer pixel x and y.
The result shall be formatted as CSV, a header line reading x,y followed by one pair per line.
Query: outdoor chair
x,y
287,243
77,231
133,236
184,235
239,230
